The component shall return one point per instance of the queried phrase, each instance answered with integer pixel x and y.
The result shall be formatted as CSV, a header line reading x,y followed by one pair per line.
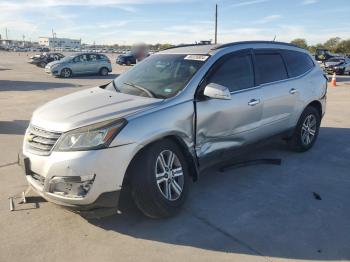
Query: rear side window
x,y
236,73
102,57
270,67
298,63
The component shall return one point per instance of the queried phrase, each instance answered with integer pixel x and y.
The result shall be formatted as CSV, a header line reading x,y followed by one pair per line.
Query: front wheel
x,y
66,73
159,179
306,131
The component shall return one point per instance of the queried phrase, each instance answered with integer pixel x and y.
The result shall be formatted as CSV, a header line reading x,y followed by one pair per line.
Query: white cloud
x,y
268,19
309,2
248,2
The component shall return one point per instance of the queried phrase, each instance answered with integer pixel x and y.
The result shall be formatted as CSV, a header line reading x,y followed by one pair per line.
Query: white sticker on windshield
x,y
196,57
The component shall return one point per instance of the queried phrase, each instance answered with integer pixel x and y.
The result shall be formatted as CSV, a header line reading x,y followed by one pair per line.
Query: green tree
x,y
331,43
343,47
300,42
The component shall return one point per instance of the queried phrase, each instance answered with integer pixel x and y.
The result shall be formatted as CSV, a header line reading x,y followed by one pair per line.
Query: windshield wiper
x,y
115,87
148,92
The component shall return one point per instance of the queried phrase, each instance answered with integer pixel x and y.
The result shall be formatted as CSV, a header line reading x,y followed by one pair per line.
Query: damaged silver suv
x,y
159,124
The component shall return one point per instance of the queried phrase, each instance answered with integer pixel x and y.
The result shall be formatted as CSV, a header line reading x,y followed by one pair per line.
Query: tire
x,y
306,131
66,73
104,71
151,177
128,63
42,64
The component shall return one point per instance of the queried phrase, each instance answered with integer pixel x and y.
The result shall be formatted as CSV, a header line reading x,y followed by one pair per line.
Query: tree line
x,y
334,44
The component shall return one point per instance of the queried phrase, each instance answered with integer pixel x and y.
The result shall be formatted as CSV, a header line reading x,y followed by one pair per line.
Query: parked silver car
x,y
88,63
159,124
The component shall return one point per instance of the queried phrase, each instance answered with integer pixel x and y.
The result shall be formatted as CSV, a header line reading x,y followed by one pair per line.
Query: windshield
x,y
159,76
67,58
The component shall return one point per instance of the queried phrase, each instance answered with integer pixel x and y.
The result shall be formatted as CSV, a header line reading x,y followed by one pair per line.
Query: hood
x,y
88,107
55,63
333,63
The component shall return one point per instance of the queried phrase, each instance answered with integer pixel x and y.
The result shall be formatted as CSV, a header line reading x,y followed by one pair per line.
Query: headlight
x,y
94,136
54,66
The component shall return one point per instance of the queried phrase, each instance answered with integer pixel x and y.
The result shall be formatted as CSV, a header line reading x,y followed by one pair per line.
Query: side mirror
x,y
217,91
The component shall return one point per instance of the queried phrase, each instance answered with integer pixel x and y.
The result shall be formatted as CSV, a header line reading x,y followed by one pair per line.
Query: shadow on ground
x,y
15,127
9,85
109,76
298,210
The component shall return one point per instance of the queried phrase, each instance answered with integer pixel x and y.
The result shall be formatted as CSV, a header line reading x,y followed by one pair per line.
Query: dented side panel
x,y
224,124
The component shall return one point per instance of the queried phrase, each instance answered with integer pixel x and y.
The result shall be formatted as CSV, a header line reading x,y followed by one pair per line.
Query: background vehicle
x,y
338,65
86,63
43,59
132,57
159,124
324,55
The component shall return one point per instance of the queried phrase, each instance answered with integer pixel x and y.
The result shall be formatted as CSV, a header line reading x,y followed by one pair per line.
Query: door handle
x,y
293,91
254,102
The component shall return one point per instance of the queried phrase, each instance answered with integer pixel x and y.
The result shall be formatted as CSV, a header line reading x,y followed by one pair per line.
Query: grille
x,y
40,141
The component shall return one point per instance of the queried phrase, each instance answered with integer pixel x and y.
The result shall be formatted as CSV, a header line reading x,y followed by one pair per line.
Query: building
x,y
59,42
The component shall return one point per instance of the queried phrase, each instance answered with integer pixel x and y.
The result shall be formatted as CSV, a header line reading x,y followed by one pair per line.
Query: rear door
x,y
228,124
278,92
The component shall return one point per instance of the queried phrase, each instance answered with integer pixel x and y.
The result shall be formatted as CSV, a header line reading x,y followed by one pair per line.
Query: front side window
x,y
298,63
236,73
270,67
159,76
81,58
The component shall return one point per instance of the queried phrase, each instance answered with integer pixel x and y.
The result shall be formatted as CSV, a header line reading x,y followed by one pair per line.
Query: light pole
x,y
216,23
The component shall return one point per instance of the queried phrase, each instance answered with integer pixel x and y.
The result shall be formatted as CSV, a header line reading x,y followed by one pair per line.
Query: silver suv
x,y
87,63
156,126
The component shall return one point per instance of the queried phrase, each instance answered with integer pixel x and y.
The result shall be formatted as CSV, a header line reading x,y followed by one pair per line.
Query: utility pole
x,y
53,41
7,38
216,23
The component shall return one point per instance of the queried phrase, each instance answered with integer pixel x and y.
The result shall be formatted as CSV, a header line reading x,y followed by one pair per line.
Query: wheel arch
x,y
316,104
191,160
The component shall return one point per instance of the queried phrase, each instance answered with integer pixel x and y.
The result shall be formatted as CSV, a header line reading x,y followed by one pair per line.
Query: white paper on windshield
x,y
196,57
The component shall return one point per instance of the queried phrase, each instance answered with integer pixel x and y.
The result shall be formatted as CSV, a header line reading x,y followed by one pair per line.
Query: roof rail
x,y
252,42
185,45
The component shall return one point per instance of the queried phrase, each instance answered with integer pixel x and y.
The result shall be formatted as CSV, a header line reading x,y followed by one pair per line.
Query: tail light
x,y
109,61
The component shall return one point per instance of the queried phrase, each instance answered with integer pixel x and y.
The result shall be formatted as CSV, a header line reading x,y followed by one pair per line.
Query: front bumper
x,y
54,72
108,166
331,70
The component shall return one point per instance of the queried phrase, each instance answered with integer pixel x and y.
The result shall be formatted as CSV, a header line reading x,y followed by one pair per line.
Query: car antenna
x,y
274,39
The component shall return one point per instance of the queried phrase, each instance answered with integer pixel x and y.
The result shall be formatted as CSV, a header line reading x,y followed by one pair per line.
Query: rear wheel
x,y
128,63
306,131
66,72
43,64
103,71
159,179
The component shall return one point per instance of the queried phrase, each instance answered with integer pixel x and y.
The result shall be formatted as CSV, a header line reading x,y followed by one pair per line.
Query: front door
x,y
227,124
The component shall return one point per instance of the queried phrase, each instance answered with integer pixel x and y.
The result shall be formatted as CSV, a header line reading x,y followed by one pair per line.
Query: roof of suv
x,y
207,49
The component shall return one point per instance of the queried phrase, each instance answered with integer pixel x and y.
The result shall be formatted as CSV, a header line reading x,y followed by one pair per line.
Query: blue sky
x,y
175,21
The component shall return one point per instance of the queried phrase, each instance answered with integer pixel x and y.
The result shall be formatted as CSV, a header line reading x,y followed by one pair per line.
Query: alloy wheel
x,y
308,130
169,175
66,72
